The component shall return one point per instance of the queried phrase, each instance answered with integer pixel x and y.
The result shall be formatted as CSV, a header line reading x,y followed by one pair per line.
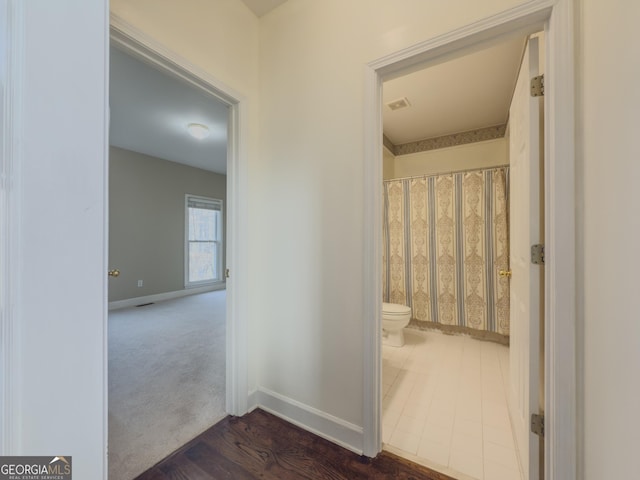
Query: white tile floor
x,y
445,405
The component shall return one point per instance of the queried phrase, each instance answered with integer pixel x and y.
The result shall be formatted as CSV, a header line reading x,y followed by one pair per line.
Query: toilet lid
x,y
395,308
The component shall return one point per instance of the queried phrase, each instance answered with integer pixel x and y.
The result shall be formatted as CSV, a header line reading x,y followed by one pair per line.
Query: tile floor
x,y
444,405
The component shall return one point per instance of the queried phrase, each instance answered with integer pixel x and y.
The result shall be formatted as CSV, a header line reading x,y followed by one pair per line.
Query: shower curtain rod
x,y
448,173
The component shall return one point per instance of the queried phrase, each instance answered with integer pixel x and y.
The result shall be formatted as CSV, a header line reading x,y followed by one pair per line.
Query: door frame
x,y
136,43
11,139
556,17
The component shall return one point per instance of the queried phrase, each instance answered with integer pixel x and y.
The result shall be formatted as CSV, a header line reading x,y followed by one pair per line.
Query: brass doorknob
x,y
114,273
505,273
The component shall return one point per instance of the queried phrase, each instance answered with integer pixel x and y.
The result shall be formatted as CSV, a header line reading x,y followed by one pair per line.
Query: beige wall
x,y
147,220
608,236
53,132
219,36
388,161
491,153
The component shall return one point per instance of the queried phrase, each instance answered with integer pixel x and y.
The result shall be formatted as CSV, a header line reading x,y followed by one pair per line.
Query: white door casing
x,y
525,230
557,19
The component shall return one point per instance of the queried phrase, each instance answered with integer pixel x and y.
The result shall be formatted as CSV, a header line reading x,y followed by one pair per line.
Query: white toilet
x,y
394,318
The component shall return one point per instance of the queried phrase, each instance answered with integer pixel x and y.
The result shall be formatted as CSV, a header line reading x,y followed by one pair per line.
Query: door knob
x,y
114,273
505,273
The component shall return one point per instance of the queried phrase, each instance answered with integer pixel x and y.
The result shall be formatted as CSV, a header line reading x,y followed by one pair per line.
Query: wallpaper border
x,y
462,138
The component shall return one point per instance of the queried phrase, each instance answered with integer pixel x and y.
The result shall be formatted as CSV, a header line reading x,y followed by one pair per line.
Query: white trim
x,y
105,246
324,425
160,297
135,42
237,245
10,244
372,282
560,364
561,455
526,18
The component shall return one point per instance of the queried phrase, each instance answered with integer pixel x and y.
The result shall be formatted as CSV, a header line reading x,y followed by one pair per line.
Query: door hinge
x,y
227,273
537,424
537,86
537,254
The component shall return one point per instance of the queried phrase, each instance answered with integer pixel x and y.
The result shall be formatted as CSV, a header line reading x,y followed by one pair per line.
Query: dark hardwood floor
x,y
262,446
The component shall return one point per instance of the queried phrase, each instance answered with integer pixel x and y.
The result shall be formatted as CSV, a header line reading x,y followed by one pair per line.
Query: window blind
x,y
195,202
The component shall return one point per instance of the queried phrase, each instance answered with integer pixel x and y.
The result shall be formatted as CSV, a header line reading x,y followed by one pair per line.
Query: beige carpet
x,y
166,378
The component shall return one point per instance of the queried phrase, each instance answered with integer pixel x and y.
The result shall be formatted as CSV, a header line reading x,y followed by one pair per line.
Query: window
x,y
203,241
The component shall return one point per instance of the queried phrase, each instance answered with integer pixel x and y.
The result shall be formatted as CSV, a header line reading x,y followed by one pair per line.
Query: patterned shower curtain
x,y
445,240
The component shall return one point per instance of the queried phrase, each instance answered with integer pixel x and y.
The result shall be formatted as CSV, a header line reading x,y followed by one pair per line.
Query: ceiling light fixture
x,y
199,131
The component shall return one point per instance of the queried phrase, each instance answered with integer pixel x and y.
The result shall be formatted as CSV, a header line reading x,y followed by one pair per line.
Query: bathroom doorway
x,y
433,388
386,169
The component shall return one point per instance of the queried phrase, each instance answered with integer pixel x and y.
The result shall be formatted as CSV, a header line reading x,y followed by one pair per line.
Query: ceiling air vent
x,y
398,104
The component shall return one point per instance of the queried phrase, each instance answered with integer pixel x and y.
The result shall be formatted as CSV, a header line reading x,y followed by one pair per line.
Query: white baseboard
x,y
252,400
158,297
327,426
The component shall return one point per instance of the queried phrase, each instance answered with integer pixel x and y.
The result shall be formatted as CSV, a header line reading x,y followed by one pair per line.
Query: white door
x,y
526,280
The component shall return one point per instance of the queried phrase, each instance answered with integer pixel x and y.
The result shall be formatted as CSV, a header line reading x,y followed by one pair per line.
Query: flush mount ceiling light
x,y
199,131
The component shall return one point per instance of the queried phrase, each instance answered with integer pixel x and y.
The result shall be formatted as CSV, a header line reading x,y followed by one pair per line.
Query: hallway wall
x,y
608,235
53,166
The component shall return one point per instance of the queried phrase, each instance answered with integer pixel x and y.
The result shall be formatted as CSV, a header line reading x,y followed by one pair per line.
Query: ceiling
x,y
150,110
467,93
261,7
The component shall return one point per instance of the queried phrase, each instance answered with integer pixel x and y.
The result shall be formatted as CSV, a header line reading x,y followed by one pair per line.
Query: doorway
x,y
167,301
233,207
560,444
446,196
